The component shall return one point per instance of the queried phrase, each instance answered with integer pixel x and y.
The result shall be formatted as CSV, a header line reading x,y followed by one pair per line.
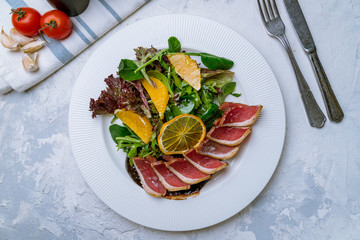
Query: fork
x,y
275,27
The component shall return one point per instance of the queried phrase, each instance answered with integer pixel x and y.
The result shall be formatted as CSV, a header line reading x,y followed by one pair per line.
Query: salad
x,y
158,86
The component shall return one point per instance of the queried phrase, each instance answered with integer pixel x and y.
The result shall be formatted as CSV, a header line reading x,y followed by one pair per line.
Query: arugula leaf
x,y
153,141
197,100
135,147
129,145
177,80
132,153
126,70
207,95
129,139
187,89
174,45
164,64
211,111
151,148
168,114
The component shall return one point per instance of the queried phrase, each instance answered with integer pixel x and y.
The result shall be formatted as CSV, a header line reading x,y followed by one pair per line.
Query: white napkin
x,y
95,21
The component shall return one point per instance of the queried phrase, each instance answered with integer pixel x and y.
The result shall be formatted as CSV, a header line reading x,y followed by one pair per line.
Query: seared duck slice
x,y
148,178
150,158
238,115
168,157
168,179
186,171
226,105
216,150
229,136
205,164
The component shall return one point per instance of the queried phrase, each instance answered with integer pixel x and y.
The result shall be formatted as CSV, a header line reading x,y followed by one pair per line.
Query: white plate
x,y
230,190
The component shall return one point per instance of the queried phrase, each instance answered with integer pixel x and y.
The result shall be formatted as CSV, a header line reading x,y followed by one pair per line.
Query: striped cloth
x,y
95,21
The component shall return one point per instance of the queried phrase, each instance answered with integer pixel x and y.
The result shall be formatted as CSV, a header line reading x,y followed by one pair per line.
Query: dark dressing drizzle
x,y
194,189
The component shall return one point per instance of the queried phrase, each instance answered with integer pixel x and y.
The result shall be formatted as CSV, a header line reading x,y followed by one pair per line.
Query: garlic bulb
x,y
29,62
7,42
19,38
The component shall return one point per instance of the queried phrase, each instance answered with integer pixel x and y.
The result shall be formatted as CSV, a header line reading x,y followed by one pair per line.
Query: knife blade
x,y
302,30
300,25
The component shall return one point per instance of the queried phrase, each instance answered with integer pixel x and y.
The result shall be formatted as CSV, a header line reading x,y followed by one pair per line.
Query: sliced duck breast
x,y
205,164
186,171
238,115
150,158
229,136
168,157
168,179
216,150
148,178
224,106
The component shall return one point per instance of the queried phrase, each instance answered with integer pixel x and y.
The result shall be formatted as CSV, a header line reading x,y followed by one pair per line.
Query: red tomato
x,y
26,21
56,24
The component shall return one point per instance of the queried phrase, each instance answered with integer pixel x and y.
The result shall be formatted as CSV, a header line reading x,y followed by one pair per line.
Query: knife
x,y
333,108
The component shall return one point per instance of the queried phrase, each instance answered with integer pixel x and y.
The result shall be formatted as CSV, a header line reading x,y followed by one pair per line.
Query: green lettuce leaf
x,y
216,78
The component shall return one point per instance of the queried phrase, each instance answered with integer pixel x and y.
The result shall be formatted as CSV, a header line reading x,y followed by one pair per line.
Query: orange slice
x,y
181,133
159,95
187,68
140,125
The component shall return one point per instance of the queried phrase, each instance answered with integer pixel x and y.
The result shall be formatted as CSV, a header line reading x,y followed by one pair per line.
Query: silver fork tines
x,y
271,10
275,27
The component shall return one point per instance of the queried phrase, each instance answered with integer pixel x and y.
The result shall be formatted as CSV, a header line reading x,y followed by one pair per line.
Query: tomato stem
x,y
52,24
19,12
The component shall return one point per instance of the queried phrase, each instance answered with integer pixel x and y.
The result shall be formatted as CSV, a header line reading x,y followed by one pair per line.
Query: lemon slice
x,y
140,125
159,95
187,68
181,133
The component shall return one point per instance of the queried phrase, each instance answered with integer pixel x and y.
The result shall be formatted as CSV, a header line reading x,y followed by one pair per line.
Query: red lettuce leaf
x,y
118,94
140,89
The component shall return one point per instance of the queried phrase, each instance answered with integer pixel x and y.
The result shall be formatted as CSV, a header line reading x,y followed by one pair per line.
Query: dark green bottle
x,y
70,7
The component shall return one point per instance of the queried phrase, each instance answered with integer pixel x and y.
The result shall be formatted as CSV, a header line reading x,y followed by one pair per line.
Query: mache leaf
x,y
118,131
174,45
126,70
214,62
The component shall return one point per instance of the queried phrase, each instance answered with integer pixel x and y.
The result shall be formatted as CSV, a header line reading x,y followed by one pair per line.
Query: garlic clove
x,y
34,57
7,42
19,38
33,46
29,62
